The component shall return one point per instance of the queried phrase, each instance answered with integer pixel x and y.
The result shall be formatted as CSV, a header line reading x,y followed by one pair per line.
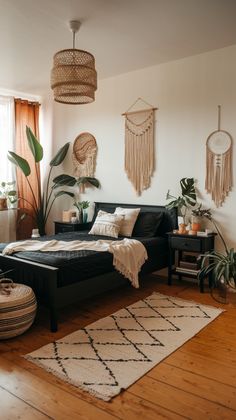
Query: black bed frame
x,y
44,278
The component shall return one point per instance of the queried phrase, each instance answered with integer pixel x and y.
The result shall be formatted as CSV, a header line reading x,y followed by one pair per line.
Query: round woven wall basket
x,y
17,310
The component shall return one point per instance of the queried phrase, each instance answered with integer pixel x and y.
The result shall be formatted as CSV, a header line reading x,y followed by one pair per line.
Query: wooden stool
x,y
17,308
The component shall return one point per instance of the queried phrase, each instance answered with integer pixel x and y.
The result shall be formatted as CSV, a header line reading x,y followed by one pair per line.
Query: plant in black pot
x,y
222,266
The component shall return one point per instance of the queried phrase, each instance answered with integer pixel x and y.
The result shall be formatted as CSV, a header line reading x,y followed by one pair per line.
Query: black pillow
x,y
147,224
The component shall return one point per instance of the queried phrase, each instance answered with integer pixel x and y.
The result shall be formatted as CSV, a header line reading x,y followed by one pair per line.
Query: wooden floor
x,y
198,381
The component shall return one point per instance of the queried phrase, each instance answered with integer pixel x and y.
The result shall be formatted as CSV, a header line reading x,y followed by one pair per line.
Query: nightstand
x,y
61,227
188,249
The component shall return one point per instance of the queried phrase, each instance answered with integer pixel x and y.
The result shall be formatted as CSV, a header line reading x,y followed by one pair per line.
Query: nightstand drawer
x,y
65,228
186,244
61,227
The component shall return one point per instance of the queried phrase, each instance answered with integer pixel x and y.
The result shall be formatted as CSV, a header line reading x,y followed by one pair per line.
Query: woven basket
x,y
17,309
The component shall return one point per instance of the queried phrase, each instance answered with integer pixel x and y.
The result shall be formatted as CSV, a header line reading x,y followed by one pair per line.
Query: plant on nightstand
x,y
65,180
186,200
82,206
198,214
8,194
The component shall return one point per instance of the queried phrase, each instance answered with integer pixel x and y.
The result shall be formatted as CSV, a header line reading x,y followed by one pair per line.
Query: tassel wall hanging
x,y
84,156
139,146
219,178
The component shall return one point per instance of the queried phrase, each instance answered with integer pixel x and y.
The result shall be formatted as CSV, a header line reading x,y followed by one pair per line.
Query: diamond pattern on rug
x,y
112,353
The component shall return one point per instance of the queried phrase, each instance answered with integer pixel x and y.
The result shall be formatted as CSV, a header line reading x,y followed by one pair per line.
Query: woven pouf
x,y
17,311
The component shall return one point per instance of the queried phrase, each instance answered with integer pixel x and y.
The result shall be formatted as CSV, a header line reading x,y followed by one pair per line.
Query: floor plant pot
x,y
224,293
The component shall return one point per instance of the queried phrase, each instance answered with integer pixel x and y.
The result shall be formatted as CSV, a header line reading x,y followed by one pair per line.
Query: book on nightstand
x,y
187,270
190,265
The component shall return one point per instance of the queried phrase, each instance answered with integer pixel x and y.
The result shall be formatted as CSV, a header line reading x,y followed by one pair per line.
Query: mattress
x,y
75,266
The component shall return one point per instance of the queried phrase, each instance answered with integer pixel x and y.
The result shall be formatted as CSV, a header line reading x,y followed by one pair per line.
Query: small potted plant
x,y
197,215
82,206
185,201
8,195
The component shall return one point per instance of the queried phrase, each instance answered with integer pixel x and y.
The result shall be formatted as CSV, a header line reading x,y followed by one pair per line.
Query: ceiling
x,y
123,35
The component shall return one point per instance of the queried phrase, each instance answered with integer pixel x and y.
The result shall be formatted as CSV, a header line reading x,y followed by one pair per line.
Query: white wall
x,y
187,93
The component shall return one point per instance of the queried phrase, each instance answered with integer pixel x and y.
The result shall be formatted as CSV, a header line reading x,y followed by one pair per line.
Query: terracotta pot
x,y
196,223
196,226
3,203
182,228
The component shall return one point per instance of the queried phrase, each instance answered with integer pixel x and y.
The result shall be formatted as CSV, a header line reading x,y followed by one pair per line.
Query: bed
x,y
62,278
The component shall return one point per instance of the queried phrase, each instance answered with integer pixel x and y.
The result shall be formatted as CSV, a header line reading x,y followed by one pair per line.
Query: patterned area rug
x,y
111,354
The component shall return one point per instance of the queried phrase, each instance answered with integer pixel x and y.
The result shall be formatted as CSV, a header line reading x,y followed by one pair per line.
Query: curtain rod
x,y
26,101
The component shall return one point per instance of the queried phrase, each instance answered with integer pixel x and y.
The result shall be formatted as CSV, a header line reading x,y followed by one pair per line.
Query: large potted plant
x,y
222,265
41,208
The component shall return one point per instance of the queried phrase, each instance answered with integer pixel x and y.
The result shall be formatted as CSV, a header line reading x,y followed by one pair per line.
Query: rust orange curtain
x,y
26,113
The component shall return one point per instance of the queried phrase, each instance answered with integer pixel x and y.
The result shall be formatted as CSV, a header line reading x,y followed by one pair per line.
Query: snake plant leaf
x,y
20,162
59,193
89,180
64,179
188,190
34,145
231,255
60,156
227,272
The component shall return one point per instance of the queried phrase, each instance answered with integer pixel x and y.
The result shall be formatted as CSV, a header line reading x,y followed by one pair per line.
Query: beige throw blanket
x,y
128,254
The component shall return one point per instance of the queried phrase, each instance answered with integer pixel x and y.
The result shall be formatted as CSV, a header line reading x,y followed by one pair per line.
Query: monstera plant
x,y
41,205
186,200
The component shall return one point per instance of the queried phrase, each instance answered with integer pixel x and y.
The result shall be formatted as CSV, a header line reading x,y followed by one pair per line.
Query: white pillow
x,y
130,217
106,224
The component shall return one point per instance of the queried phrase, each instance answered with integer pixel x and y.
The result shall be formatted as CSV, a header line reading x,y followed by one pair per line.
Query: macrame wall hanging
x,y
219,178
84,156
139,146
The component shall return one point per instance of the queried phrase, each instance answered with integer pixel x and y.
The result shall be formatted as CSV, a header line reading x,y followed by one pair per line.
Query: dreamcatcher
x,y
84,156
219,179
139,146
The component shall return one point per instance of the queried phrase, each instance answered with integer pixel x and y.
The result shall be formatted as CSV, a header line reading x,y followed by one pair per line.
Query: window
x,y
6,137
7,118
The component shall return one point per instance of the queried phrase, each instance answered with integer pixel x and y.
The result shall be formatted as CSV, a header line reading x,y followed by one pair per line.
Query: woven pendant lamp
x,y
73,76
